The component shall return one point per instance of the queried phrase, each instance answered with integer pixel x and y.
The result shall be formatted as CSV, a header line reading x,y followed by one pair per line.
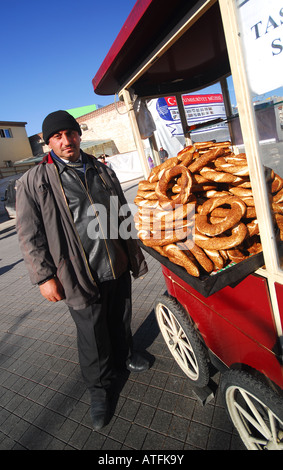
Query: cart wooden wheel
x,y
255,410
182,340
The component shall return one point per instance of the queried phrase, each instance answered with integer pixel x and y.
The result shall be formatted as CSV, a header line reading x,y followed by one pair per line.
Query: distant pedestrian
x,y
163,154
150,162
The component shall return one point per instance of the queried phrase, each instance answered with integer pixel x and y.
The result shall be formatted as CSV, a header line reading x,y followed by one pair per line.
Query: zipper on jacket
x,y
97,215
71,217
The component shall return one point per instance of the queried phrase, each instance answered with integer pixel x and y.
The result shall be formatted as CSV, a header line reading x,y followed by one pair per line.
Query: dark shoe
x,y
100,413
137,363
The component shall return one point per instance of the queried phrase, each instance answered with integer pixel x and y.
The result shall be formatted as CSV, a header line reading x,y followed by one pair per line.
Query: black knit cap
x,y
58,121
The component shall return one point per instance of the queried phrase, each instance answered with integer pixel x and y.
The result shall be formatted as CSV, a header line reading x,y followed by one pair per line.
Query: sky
x,y
50,52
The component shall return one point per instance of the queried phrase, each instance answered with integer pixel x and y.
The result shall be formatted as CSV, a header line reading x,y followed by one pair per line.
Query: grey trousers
x,y
104,334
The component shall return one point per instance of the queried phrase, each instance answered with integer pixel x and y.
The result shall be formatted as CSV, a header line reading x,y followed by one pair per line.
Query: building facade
x,y
104,130
14,143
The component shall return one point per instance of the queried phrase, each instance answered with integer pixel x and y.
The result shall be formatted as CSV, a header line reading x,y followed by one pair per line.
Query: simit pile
x,y
197,209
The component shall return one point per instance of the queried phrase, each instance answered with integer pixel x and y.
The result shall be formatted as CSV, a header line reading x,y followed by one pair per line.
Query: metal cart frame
x,y
239,333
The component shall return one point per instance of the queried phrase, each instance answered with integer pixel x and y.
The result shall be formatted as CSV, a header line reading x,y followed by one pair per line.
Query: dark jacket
x,y
47,234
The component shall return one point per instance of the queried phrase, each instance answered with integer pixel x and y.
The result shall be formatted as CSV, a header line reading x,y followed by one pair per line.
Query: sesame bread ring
x,y
251,212
204,145
210,145
154,224
198,182
145,185
159,250
239,232
224,144
238,170
146,194
253,228
162,186
161,238
239,159
230,160
279,222
278,197
172,234
253,245
241,192
186,155
224,254
160,229
277,208
178,256
244,183
155,172
199,255
182,211
199,188
213,193
146,203
276,184
235,214
199,179
185,150
216,220
205,158
220,212
219,176
236,255
176,189
249,201
218,162
216,258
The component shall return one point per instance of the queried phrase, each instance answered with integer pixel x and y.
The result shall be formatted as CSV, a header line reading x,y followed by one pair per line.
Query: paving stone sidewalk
x,y
44,404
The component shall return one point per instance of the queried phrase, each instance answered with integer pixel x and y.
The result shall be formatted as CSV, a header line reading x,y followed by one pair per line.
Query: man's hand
x,y
52,290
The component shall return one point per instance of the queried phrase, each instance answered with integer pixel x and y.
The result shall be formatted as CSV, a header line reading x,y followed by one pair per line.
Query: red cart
x,y
231,320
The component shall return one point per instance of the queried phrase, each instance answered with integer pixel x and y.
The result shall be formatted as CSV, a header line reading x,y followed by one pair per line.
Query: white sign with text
x,y
261,24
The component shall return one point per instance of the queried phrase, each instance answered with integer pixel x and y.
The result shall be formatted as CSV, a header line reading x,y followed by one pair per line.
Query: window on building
x,y
6,133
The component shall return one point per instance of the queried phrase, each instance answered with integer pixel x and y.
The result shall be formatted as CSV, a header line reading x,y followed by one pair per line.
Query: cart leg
x,y
205,394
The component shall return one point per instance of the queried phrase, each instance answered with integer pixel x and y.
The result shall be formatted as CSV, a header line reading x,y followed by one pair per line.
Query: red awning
x,y
104,81
197,59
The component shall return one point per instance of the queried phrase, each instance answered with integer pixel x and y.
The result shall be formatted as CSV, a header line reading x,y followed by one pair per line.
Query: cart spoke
x,y
169,321
182,341
272,424
256,421
249,418
255,418
187,355
172,327
186,347
185,343
178,342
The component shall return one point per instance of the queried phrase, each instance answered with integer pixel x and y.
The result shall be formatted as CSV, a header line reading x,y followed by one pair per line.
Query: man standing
x,y
73,252
163,154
